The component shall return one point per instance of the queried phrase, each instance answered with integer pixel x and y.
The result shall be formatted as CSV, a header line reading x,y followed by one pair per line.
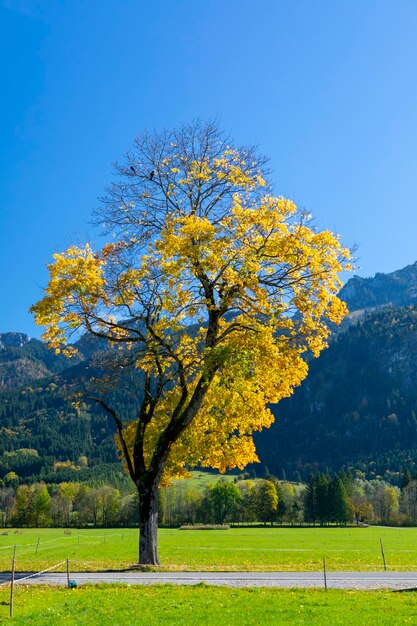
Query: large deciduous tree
x,y
212,287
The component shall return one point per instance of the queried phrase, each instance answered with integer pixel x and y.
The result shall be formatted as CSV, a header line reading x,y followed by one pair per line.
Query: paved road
x,y
335,580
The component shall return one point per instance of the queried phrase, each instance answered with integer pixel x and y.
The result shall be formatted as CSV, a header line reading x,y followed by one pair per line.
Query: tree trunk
x,y
148,524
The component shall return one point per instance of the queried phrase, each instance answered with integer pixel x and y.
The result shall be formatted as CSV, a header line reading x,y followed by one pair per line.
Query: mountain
x,y
356,409
12,340
37,413
24,360
398,288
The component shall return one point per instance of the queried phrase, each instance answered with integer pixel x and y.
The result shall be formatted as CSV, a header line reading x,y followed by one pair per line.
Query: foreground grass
x,y
207,605
235,549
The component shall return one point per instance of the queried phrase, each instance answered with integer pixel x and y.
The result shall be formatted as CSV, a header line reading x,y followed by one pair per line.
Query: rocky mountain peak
x,y
397,288
13,340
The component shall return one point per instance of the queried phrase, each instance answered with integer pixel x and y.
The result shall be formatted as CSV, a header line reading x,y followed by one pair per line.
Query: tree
x,y
362,510
62,503
246,510
342,511
7,504
40,505
323,499
105,505
409,500
386,503
22,510
295,513
11,479
406,478
286,499
310,500
82,505
215,291
221,499
191,504
33,505
266,499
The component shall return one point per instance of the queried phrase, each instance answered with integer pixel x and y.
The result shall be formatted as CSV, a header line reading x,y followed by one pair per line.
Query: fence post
x,y
68,578
12,589
37,545
383,554
324,573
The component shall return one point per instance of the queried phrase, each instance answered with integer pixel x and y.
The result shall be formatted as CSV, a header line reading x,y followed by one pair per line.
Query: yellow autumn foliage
x,y
229,302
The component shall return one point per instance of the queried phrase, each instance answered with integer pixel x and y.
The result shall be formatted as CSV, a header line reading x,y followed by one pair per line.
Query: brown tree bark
x,y
148,524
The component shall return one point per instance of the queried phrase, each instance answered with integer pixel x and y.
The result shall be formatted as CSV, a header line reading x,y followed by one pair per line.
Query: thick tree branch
x,y
119,426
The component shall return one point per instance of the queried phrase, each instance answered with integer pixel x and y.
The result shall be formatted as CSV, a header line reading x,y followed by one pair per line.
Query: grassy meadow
x,y
200,480
202,605
235,549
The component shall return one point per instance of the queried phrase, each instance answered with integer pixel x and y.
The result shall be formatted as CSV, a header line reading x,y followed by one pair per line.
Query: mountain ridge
x,y
397,288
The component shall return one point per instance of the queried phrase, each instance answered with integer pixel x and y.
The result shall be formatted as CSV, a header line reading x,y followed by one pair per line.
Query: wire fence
x,y
16,581
325,566
34,574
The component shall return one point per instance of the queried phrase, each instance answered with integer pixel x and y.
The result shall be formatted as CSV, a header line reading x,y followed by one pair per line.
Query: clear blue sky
x,y
327,89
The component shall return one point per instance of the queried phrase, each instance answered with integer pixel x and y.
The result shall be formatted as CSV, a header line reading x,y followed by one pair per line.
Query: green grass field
x,y
246,548
200,605
234,549
199,480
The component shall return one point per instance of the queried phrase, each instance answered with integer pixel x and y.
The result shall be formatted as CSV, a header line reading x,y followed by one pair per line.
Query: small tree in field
x,y
214,289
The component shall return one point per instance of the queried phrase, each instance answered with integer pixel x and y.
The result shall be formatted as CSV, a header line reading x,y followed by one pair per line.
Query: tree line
x,y
322,500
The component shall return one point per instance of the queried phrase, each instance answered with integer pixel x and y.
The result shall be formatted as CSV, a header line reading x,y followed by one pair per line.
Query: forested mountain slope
x,y
36,410
358,406
24,360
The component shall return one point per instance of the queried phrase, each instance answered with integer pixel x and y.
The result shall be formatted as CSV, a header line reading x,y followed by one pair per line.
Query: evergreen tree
x,y
282,507
340,501
323,491
310,500
406,479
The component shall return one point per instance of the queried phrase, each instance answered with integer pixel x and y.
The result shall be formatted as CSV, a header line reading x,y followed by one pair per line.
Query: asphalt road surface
x,y
335,580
